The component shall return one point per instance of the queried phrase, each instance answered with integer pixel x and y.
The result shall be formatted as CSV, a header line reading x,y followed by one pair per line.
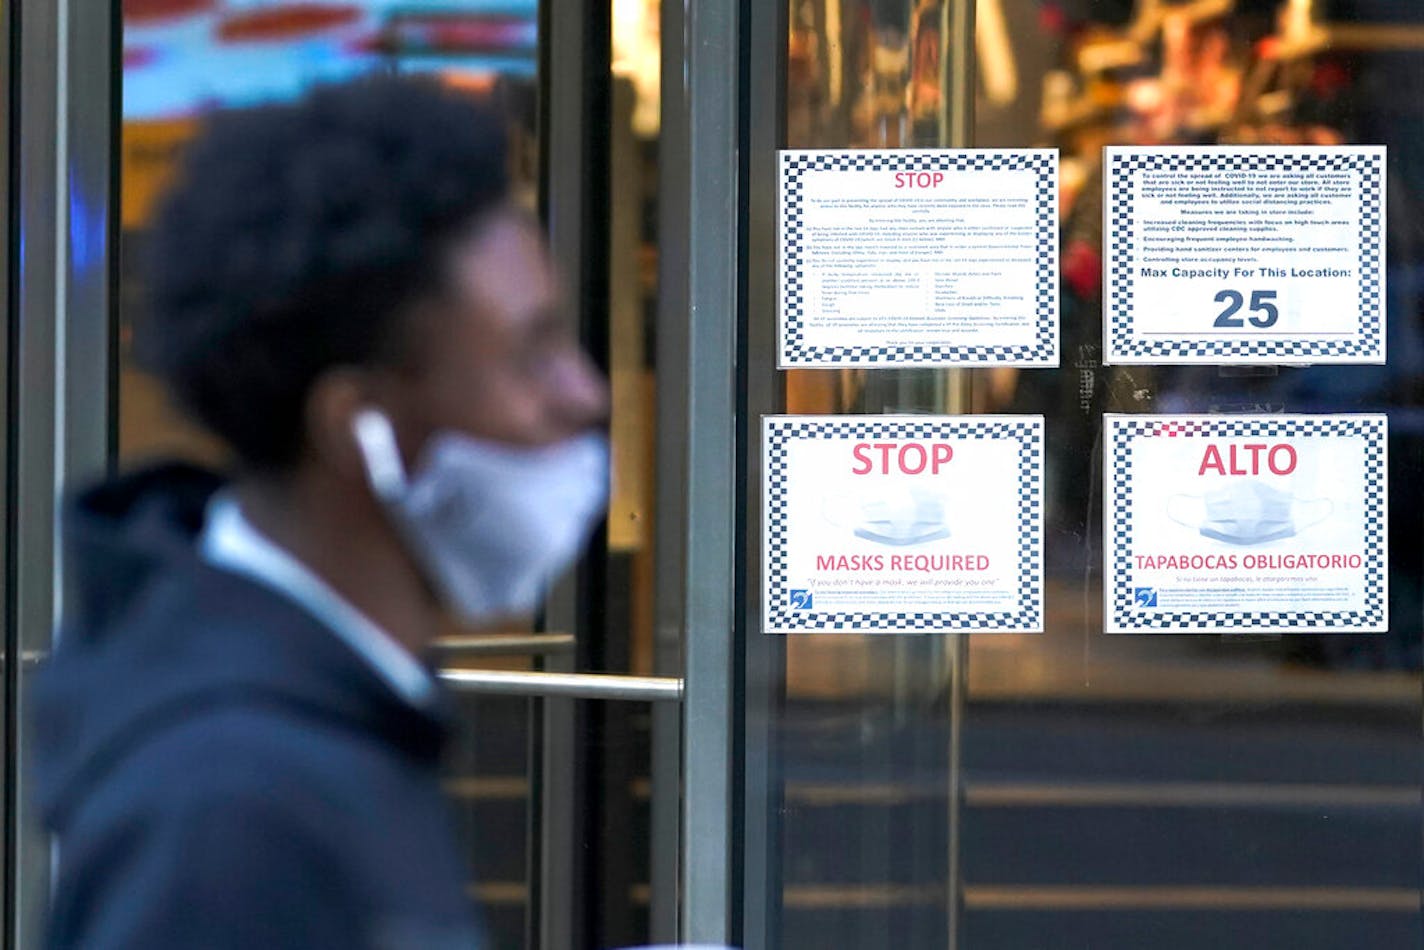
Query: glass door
x,y
1223,789
567,772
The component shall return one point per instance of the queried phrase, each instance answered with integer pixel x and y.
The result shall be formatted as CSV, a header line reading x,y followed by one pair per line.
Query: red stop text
x,y
918,179
908,458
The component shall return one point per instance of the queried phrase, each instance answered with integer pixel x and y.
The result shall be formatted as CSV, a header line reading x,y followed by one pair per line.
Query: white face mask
x,y
491,525
1251,512
910,517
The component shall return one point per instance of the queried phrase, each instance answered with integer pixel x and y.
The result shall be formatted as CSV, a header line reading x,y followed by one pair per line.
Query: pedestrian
x,y
237,737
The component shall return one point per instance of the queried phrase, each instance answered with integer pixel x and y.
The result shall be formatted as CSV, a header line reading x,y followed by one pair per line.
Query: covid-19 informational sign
x,y
918,257
903,524
1230,254
1246,524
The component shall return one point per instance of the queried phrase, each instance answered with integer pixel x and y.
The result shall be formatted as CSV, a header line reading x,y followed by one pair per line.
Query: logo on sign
x,y
1144,596
801,599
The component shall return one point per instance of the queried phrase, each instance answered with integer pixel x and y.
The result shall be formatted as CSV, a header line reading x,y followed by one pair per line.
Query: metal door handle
x,y
564,685
508,644
29,659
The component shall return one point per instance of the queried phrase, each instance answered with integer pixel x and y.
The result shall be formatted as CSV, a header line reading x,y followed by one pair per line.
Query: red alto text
x,y
1247,459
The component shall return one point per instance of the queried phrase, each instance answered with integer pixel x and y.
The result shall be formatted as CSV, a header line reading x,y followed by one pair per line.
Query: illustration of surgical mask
x,y
910,517
490,525
1249,512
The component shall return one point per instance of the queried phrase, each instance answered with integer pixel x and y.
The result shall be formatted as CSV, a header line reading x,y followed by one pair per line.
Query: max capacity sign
x,y
918,258
1245,255
1267,524
903,524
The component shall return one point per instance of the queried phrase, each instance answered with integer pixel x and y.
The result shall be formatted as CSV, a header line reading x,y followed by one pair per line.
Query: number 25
x,y
1260,303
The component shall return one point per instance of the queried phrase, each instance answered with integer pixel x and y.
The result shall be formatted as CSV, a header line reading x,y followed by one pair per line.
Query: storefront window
x,y
1236,788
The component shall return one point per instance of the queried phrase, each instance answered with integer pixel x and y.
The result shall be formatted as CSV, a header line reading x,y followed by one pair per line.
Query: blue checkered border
x,y
1367,345
795,351
777,434
1123,431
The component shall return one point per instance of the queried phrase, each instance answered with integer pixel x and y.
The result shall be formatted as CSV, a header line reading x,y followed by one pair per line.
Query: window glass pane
x,y
1072,788
182,59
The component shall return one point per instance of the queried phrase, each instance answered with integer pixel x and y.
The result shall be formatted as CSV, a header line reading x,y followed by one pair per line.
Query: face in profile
x,y
492,371
497,356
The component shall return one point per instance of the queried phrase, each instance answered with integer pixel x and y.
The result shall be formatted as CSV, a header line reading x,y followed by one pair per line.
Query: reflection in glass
x,y
184,58
1225,791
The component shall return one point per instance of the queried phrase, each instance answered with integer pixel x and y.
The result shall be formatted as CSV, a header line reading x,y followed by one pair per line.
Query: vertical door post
x,y
764,657
556,914
60,351
702,359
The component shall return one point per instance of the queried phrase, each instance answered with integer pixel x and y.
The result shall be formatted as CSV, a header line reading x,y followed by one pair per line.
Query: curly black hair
x,y
297,238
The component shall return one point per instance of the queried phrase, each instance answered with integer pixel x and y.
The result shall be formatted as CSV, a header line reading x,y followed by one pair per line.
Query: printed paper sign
x,y
918,258
1230,254
903,524
1246,524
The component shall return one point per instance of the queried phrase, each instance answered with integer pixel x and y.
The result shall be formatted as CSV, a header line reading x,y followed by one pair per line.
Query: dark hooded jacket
x,y
218,768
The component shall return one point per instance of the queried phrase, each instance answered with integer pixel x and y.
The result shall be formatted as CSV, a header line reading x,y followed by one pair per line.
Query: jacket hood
x,y
154,635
